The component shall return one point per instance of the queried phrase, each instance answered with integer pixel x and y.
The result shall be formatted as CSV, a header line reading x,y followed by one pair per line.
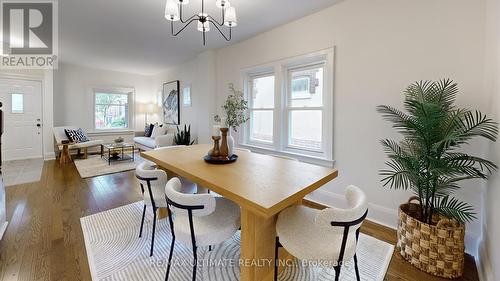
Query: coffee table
x,y
118,152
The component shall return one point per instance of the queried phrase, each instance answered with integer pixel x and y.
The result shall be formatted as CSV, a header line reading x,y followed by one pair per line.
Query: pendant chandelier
x,y
173,12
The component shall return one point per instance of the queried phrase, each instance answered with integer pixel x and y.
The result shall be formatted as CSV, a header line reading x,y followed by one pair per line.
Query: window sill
x,y
111,132
302,157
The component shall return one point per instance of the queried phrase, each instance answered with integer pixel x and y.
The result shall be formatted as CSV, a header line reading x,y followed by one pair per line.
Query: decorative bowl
x,y
219,161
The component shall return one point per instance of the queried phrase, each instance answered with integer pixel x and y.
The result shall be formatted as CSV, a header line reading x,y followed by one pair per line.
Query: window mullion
x,y
278,105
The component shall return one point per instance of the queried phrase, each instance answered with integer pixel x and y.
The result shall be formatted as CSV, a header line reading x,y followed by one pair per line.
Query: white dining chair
x,y
323,235
199,220
152,182
283,157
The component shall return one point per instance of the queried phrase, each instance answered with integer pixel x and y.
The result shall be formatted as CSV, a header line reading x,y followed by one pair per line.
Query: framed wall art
x,y
170,103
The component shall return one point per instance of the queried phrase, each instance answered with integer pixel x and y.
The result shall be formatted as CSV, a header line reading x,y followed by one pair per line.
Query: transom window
x,y
112,110
291,106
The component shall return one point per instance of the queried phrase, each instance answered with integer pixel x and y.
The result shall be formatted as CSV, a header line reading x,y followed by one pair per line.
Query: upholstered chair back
x,y
204,202
357,207
146,170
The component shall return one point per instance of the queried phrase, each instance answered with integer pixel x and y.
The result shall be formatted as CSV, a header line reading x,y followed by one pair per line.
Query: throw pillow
x,y
76,135
148,130
158,130
69,134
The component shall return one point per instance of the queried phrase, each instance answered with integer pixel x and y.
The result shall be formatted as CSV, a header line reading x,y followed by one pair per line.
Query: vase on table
x,y
230,143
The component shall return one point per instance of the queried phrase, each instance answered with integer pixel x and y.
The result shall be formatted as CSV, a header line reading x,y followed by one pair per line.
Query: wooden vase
x,y
224,149
215,151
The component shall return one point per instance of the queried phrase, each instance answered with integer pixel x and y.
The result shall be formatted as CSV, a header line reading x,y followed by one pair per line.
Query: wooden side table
x,y
65,157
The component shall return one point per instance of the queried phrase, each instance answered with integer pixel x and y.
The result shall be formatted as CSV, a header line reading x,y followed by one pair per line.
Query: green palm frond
x,y
477,124
397,177
454,208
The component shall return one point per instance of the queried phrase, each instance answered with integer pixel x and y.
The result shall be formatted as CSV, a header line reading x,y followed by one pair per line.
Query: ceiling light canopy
x,y
173,12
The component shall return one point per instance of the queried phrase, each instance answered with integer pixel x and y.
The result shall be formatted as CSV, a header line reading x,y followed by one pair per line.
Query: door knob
x,y
39,125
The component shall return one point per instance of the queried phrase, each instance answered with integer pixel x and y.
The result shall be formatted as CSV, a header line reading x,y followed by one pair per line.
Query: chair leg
x,y
276,257
337,272
154,228
142,222
195,255
170,258
356,267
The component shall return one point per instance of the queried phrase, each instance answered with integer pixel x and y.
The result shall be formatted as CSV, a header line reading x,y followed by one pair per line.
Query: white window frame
x,y
249,91
288,109
130,92
281,70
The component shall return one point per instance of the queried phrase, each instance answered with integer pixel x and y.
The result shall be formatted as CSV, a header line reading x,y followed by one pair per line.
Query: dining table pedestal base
x,y
258,238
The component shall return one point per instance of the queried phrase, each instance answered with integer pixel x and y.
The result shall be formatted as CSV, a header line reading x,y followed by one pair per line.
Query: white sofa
x,y
147,143
60,136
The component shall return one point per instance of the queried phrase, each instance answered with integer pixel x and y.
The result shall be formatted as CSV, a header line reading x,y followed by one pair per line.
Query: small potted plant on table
x,y
234,114
429,162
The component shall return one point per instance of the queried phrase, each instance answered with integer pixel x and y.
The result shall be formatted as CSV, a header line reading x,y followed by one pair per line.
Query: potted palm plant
x,y
429,161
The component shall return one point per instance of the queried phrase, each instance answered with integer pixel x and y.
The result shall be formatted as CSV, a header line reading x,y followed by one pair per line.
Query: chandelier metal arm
x,y
220,31
184,27
214,21
173,14
180,15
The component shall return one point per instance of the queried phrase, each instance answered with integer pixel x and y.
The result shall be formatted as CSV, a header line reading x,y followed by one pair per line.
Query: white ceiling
x,y
133,36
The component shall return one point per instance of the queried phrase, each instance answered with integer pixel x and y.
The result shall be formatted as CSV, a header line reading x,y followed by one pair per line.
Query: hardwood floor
x,y
44,240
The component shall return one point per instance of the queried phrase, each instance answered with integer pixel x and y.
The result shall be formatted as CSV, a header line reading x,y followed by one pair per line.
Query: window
x,y
17,103
112,110
300,87
305,107
261,89
291,106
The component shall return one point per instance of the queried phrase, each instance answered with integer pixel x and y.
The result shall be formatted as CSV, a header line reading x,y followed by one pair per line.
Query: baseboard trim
x,y
3,229
381,215
49,156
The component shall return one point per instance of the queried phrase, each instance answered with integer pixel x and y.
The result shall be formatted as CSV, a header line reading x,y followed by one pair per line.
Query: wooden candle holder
x,y
215,150
224,149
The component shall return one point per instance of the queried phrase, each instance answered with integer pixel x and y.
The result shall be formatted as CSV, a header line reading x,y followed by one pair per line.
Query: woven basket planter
x,y
436,249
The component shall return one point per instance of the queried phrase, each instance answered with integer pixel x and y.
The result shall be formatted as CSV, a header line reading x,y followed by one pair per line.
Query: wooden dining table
x,y
261,185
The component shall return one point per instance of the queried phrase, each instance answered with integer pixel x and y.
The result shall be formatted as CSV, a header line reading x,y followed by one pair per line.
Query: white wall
x,y
73,93
381,47
200,75
489,256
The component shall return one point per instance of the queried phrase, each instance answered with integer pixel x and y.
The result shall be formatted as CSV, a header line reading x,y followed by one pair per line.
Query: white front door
x,y
22,108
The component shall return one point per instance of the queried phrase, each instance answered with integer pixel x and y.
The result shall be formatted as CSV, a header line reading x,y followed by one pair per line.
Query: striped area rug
x,y
115,252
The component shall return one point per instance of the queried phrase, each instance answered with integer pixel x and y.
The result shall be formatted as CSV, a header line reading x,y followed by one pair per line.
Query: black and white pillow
x,y
148,130
76,135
